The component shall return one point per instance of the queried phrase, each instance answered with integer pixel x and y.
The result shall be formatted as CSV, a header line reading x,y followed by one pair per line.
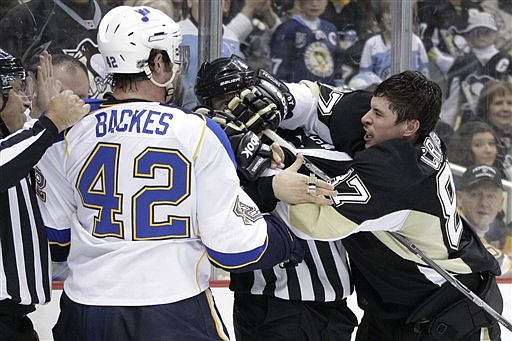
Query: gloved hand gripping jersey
x,y
252,155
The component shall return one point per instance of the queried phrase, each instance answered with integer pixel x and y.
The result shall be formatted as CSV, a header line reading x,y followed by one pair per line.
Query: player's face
x,y
221,102
78,81
380,124
500,112
483,146
480,204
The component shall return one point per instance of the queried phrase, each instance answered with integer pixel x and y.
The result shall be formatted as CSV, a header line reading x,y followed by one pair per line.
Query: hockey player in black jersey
x,y
399,181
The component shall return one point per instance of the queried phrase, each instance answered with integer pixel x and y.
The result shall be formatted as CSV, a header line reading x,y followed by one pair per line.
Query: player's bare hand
x,y
47,85
295,188
66,109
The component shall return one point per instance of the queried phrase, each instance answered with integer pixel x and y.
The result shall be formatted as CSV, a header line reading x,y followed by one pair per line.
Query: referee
x,y
24,260
294,303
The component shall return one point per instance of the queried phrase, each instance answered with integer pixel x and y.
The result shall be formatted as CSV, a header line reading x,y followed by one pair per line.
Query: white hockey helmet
x,y
126,36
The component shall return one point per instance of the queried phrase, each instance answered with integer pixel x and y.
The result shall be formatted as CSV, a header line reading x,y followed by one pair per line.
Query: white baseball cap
x,y
479,19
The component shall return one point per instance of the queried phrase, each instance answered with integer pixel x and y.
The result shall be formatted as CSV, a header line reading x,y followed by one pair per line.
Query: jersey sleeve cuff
x,y
49,125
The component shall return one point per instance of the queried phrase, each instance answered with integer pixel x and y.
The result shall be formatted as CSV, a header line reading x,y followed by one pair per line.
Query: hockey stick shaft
x,y
453,281
307,163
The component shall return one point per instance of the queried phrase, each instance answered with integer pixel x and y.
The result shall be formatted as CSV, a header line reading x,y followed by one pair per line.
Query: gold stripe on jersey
x,y
216,318
65,133
320,222
198,264
423,229
60,244
201,138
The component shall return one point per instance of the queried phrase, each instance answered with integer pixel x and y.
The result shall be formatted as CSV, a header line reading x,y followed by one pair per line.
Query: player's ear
x,y
156,61
411,127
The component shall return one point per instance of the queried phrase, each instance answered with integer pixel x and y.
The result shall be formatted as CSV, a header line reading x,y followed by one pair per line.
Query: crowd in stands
x,y
464,46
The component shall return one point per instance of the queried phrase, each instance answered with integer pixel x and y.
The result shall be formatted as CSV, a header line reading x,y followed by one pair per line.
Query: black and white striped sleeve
x,y
20,151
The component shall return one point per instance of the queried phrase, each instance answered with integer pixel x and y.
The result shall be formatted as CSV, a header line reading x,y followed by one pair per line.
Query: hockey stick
x,y
308,164
408,244
453,281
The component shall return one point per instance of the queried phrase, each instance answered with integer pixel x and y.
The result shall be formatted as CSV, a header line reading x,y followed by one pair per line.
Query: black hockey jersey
x,y
394,186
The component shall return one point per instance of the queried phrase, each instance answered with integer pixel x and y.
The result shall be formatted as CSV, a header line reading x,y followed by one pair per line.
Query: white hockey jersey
x,y
148,193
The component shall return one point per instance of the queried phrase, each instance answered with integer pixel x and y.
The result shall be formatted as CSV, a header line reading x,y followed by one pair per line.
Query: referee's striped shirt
x,y
25,276
323,276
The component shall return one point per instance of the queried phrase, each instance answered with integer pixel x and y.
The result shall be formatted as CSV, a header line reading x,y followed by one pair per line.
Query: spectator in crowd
x,y
494,106
230,45
356,22
254,24
480,199
376,55
60,26
255,12
472,70
307,47
161,211
25,267
438,21
307,302
475,142
348,15
502,12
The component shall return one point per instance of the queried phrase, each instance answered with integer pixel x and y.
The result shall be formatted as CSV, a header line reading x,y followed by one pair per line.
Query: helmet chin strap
x,y
169,87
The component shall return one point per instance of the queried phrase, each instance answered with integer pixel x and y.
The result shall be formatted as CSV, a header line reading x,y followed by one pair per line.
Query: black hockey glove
x,y
225,119
272,87
252,155
255,111
264,105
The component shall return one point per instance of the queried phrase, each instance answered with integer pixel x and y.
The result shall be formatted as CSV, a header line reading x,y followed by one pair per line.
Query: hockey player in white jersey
x,y
148,196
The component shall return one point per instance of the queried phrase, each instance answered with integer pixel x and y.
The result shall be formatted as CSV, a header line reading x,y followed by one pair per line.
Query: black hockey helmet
x,y
221,76
10,69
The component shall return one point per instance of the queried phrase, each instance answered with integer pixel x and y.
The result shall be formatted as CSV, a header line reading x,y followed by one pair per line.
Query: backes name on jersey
x,y
134,121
